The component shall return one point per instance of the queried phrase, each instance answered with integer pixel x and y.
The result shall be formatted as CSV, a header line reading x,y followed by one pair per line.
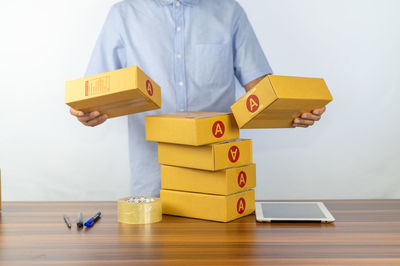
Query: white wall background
x,y
352,153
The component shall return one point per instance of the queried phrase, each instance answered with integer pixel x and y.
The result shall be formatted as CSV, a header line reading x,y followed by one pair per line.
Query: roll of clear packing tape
x,y
139,210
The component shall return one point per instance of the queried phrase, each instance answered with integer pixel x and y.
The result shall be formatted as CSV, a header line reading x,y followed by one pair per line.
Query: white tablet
x,y
293,211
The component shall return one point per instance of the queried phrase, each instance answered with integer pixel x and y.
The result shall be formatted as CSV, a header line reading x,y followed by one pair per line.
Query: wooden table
x,y
367,232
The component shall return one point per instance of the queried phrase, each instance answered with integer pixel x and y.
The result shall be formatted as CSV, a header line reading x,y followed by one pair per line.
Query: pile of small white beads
x,y
139,199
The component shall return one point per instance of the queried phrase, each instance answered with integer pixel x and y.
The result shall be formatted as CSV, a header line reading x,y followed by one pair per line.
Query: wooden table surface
x,y
365,233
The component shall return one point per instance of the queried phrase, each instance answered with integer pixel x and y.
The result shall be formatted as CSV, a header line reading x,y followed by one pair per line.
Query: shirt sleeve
x,y
109,51
250,62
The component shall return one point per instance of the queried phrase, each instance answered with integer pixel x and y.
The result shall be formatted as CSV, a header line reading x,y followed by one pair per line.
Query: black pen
x,y
79,220
67,221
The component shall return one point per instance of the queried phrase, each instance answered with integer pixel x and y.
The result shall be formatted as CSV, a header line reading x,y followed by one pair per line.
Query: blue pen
x,y
92,220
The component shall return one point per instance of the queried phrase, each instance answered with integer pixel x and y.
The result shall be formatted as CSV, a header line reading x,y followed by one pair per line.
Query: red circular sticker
x,y
218,129
252,103
241,206
242,179
149,87
233,154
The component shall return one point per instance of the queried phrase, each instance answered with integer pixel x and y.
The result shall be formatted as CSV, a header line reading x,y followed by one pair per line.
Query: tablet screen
x,y
289,210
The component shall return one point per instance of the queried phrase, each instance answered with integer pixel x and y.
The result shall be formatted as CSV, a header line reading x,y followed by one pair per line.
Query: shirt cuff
x,y
246,78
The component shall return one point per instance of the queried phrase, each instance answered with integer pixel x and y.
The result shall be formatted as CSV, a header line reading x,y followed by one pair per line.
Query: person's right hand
x,y
91,119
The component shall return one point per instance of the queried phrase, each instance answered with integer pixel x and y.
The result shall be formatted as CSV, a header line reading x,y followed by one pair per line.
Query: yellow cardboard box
x,y
213,157
224,182
208,207
116,93
191,128
276,100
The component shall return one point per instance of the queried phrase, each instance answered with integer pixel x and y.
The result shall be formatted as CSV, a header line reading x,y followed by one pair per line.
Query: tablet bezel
x,y
260,215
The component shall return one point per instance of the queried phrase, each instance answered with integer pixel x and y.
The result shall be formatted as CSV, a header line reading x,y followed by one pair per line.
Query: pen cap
x,y
90,222
79,220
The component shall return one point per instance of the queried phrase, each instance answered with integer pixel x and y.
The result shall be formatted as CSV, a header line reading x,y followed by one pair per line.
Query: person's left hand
x,y
308,119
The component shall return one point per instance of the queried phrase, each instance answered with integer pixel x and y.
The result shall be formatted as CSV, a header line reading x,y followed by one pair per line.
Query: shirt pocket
x,y
214,65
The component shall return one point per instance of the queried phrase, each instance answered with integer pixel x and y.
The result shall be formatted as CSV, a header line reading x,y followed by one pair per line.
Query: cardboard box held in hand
x,y
277,100
116,93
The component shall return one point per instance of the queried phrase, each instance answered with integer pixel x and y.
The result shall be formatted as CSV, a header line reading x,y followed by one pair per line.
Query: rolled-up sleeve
x,y
109,52
250,62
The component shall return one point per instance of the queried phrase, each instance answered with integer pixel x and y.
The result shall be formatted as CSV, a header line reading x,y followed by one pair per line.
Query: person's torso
x,y
187,50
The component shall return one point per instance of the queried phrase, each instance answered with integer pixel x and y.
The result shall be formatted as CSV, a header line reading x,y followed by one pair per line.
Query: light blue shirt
x,y
193,49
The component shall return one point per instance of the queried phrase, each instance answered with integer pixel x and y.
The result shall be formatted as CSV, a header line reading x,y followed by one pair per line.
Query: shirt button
x,y
178,3
179,56
179,29
181,83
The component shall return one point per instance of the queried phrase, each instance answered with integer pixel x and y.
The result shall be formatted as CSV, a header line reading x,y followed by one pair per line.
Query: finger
x,y
89,116
303,122
97,121
76,112
311,116
94,114
299,125
84,119
319,111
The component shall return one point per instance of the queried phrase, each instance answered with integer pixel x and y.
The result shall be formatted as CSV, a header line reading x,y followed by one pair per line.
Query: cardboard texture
x,y
208,207
277,100
191,128
116,93
213,157
222,182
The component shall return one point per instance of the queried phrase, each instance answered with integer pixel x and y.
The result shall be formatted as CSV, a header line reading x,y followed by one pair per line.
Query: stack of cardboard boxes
x,y
207,172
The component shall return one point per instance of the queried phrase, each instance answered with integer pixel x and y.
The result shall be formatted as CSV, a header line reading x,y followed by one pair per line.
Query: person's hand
x,y
308,119
91,119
